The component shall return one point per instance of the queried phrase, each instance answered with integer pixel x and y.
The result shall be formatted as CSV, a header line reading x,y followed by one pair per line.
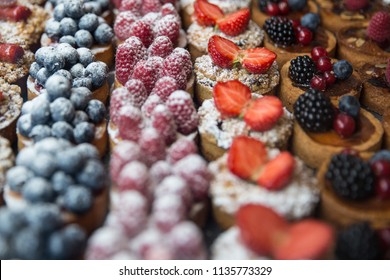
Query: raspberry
x,y
124,152
127,56
149,105
174,185
149,6
134,176
163,122
168,26
169,9
104,243
153,149
137,92
164,87
181,106
147,73
119,98
122,25
355,5
158,63
143,31
379,27
161,46
134,6
168,211
130,122
151,18
186,60
159,171
180,149
174,67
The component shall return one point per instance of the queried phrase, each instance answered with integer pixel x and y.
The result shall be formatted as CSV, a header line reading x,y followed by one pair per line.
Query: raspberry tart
x,y
256,68
235,111
322,130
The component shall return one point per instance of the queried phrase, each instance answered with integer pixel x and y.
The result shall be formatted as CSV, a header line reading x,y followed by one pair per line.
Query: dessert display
x,y
235,111
289,38
210,20
251,173
320,72
256,68
321,129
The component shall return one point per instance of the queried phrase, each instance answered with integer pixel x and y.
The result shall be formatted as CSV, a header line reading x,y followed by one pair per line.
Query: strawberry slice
x,y
222,51
278,172
231,97
260,227
10,53
246,156
206,13
308,239
1,96
257,60
263,113
235,23
16,13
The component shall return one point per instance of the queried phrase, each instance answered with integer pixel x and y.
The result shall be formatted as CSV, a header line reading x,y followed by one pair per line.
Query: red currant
x,y
318,83
283,8
344,125
318,52
324,64
381,168
295,23
305,36
350,151
272,9
330,78
382,187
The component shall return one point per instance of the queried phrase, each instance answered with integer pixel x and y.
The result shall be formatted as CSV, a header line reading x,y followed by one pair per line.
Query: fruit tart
x,y
256,68
356,188
290,38
73,25
251,173
322,129
55,171
39,232
63,112
10,107
77,65
334,78
235,111
210,20
7,160
253,237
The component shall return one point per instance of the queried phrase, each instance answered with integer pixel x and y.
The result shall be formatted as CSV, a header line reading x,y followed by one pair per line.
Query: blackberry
x,y
280,30
350,177
314,111
302,69
358,242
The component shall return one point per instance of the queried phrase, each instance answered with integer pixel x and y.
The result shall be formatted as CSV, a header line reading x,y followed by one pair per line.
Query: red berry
x,y
159,171
134,176
147,73
272,9
324,64
149,6
134,6
124,152
379,27
168,9
344,125
143,31
168,26
163,122
318,83
186,61
283,8
381,168
295,23
164,87
152,148
180,149
305,36
318,52
173,66
129,123
382,187
137,92
149,105
355,5
161,46
330,78
119,98
123,23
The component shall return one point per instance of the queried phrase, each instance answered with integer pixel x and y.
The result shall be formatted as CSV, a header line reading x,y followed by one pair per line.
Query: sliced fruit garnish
x,y
10,53
258,60
235,23
222,51
230,97
264,113
260,227
246,156
1,96
277,173
15,13
206,13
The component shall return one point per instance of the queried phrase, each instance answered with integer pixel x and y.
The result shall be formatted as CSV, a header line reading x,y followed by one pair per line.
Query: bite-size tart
x,y
251,173
290,38
55,171
334,78
256,68
210,20
235,111
321,129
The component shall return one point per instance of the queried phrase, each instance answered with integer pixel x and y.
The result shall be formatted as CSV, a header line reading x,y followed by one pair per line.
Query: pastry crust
x,y
386,127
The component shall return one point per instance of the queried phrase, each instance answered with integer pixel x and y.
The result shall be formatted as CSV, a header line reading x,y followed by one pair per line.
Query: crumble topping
x,y
12,72
6,159
11,106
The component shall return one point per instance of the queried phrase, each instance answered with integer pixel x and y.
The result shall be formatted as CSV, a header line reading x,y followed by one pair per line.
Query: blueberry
x,y
62,130
88,151
96,111
69,39
79,117
103,3
92,175
58,86
67,243
85,56
44,217
26,156
27,107
34,68
64,73
103,34
311,21
59,12
41,53
40,113
40,132
43,95
84,132
381,155
68,26
17,177
24,125
342,69
53,62
42,76
52,145
11,221
5,249
61,181
77,70
74,9
69,53
29,244
97,71
38,190
78,199
297,5
82,82
89,22
52,28
44,165
70,161
62,110
92,7
84,39
349,105
80,97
